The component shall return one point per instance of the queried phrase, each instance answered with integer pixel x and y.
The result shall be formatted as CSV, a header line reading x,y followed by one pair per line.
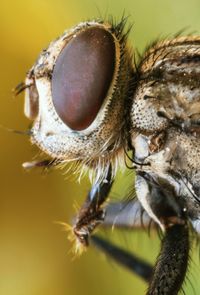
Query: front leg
x,y
91,213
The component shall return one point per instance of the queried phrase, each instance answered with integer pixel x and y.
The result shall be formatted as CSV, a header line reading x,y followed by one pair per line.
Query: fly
x,y
92,104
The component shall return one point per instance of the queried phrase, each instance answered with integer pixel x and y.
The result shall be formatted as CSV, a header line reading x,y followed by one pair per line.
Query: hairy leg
x,y
172,262
91,213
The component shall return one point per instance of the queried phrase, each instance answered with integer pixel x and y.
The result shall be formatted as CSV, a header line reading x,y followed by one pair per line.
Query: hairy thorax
x,y
165,116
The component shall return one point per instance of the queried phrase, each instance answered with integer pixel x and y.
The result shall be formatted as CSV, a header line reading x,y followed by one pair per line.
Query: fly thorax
x,y
145,111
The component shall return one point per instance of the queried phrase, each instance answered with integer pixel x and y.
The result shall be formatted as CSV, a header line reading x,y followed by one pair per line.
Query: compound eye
x,y
82,75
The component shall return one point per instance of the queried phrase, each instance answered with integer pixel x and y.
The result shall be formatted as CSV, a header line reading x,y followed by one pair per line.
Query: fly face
x,y
82,81
88,102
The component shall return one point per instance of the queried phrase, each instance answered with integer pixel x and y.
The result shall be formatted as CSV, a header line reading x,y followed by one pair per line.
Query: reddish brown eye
x,y
82,75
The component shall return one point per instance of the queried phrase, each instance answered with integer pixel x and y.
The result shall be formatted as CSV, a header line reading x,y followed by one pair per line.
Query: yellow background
x,y
34,257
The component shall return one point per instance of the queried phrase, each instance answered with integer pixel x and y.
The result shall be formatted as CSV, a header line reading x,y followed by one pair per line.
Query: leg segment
x,y
125,215
120,215
130,261
128,215
171,265
91,213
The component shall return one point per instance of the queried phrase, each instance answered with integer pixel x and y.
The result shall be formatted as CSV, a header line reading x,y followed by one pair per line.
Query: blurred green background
x,y
34,257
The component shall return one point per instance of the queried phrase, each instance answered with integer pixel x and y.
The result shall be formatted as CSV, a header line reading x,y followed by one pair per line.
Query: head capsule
x,y
78,91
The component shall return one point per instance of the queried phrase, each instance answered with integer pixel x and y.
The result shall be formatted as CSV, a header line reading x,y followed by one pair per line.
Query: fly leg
x,y
167,277
130,261
170,268
125,215
128,215
91,213
172,262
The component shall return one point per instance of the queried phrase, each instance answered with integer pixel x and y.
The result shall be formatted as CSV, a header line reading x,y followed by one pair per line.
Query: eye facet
x,y
82,76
